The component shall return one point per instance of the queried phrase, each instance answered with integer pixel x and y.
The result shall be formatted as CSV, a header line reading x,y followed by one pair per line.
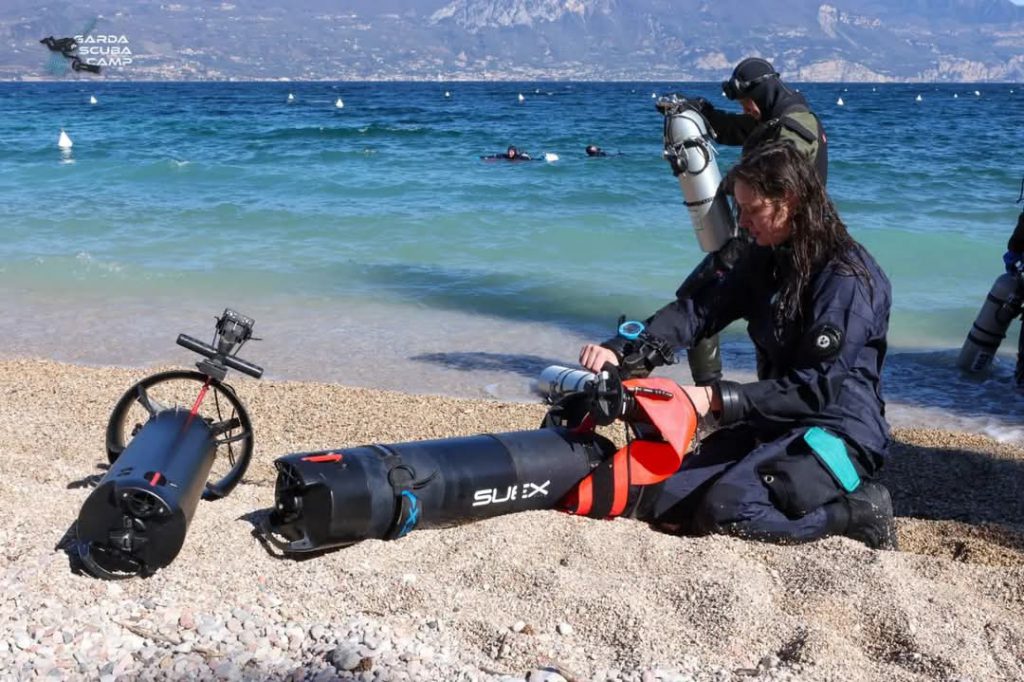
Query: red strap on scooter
x,y
329,457
605,491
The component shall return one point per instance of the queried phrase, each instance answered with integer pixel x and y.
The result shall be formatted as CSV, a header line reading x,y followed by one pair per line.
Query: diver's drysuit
x,y
771,474
784,115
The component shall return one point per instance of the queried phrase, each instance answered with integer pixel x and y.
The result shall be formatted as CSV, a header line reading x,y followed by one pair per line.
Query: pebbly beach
x,y
533,596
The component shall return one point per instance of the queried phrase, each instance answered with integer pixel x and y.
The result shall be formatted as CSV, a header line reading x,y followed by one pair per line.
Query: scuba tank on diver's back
x,y
689,150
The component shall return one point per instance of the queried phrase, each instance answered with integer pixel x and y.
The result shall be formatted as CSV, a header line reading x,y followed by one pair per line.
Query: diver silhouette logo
x,y
85,52
68,49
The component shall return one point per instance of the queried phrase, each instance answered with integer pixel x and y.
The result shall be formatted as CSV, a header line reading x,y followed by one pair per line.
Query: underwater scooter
x,y
334,498
1003,304
172,438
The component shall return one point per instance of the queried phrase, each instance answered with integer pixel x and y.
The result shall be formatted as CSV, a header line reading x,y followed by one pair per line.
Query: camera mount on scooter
x,y
230,334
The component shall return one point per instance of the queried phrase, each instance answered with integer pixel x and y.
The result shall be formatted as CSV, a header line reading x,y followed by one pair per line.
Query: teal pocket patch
x,y
831,451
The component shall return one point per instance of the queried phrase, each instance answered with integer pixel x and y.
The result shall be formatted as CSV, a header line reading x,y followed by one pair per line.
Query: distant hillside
x,y
848,40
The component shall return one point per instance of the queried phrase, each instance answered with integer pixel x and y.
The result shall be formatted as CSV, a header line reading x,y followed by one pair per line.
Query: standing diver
x,y
798,448
771,111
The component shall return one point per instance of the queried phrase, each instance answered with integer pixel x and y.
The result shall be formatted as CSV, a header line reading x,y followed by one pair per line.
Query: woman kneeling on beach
x,y
797,450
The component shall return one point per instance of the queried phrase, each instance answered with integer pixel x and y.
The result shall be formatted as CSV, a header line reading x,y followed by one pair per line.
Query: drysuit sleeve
x,y
731,129
843,335
699,312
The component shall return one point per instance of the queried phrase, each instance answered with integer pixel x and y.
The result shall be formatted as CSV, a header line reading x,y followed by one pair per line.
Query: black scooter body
x,y
340,497
136,519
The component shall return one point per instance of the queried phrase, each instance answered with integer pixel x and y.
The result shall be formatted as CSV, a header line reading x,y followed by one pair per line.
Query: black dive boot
x,y
870,516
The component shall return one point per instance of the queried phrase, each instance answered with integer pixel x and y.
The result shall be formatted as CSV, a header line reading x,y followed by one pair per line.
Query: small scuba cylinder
x,y
135,521
1001,306
689,150
337,498
555,381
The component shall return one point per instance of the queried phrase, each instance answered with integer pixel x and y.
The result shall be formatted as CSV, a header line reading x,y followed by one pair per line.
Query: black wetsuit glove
x,y
701,104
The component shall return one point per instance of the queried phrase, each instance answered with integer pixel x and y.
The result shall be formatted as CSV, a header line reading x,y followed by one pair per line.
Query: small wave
x,y
91,263
336,133
932,392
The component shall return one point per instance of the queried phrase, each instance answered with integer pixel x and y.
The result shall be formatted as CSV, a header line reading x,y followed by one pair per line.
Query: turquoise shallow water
x,y
373,246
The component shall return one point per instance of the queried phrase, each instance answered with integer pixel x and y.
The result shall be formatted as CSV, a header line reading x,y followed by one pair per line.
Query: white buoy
x,y
918,98
873,90
447,94
977,93
339,104
550,157
521,98
839,102
92,99
63,141
956,96
291,97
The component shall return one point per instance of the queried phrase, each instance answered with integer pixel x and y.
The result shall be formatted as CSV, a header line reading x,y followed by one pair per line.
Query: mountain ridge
x,y
808,40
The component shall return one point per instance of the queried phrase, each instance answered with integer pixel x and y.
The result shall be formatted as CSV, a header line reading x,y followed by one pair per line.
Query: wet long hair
x,y
778,172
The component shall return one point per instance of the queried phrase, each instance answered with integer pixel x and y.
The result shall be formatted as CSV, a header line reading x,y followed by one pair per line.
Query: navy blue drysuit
x,y
756,476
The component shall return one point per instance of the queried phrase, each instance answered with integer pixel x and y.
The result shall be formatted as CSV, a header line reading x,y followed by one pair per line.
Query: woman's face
x,y
767,220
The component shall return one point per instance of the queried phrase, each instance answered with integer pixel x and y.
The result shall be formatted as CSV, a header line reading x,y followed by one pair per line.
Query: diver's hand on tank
x,y
593,357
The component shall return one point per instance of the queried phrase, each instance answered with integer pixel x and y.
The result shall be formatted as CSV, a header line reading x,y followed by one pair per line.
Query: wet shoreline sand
x,y
496,599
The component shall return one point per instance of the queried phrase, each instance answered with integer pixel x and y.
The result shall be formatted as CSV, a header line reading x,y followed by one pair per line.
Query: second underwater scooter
x,y
172,438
